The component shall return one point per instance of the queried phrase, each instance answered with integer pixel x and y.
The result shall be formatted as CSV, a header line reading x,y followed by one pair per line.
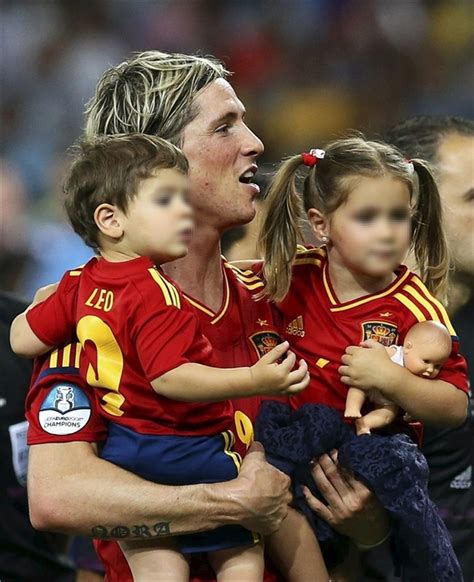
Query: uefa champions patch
x,y
65,410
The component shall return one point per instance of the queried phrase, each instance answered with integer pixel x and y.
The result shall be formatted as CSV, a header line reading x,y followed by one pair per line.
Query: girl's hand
x,y
368,367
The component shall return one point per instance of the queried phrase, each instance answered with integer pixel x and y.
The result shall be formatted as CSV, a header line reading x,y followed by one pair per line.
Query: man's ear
x,y
408,345
109,220
319,225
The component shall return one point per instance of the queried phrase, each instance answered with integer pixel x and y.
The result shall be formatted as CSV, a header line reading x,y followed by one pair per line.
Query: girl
x,y
369,207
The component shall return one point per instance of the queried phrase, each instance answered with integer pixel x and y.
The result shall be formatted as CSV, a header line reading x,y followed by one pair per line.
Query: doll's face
x,y
425,359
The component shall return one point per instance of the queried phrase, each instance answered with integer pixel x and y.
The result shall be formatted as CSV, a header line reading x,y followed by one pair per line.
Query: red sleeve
x,y
454,370
53,320
167,337
60,406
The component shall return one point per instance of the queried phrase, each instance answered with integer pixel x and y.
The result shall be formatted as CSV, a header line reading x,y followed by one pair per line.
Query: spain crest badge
x,y
264,342
380,331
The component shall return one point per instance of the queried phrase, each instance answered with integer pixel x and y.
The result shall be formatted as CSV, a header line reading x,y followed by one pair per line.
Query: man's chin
x,y
246,215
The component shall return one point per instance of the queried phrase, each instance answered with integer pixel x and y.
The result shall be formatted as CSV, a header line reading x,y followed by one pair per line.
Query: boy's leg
x,y
238,564
354,401
295,550
155,561
377,418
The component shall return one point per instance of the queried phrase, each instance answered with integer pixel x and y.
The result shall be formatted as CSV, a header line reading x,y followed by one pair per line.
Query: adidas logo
x,y
463,480
296,327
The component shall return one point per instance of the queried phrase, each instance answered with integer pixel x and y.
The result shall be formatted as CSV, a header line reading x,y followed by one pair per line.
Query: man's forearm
x,y
91,496
432,401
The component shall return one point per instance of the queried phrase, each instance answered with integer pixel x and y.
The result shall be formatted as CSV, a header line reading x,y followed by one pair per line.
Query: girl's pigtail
x,y
429,240
281,229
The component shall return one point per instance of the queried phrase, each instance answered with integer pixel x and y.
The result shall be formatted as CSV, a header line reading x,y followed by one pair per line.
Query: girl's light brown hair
x,y
326,186
109,169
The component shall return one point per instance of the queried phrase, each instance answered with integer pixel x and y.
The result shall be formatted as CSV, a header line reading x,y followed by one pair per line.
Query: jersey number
x,y
109,361
243,427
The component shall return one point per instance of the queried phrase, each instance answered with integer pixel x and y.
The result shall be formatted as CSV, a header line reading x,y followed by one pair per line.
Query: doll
x,y
426,347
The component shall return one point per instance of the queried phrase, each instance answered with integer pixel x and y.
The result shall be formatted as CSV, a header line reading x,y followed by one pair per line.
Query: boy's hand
x,y
368,366
278,379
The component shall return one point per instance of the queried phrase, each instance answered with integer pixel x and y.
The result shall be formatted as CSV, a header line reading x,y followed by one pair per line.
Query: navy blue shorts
x,y
182,460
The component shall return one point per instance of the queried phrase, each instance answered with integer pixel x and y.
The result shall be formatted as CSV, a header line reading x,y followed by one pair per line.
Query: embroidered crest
x,y
264,342
380,331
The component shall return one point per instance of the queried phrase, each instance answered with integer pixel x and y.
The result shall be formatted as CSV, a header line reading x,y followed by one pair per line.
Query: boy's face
x,y
158,223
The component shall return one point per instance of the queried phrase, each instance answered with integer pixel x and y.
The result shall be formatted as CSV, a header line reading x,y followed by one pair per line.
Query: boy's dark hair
x,y
420,137
109,170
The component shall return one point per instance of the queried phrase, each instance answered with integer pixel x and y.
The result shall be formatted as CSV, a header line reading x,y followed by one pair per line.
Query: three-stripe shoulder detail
x,y
247,277
309,256
415,296
170,293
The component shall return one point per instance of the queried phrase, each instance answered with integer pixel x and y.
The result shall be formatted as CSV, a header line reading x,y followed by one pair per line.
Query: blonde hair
x,y
326,186
151,93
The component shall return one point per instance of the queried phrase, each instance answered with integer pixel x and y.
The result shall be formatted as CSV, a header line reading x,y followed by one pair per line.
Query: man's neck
x,y
459,293
199,273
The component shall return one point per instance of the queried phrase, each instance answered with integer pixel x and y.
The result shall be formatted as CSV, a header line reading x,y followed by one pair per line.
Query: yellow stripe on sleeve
x,y
66,356
408,303
78,355
169,300
53,359
302,250
316,262
173,293
445,317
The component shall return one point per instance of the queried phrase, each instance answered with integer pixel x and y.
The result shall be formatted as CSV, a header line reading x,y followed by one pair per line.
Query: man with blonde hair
x,y
187,100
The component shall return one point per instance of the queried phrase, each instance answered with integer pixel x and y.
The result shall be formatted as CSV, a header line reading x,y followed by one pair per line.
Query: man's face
x,y
221,151
456,185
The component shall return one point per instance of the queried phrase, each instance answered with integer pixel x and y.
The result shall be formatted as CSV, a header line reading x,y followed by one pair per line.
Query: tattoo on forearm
x,y
118,532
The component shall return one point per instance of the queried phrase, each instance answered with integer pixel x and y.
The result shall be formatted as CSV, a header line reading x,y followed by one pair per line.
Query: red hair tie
x,y
311,158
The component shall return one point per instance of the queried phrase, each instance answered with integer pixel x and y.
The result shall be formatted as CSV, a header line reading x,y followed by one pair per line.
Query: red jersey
x,y
134,326
319,327
240,332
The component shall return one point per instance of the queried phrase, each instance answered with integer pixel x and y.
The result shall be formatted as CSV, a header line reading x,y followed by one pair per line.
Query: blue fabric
x,y
179,460
391,465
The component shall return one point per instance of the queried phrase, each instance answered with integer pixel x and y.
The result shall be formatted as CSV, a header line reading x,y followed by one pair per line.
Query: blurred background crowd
x,y
306,70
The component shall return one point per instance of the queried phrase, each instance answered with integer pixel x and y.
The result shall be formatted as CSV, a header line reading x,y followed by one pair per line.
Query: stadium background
x,y
306,70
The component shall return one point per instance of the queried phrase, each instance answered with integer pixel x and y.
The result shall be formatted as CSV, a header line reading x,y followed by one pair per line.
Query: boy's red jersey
x,y
319,327
240,332
134,326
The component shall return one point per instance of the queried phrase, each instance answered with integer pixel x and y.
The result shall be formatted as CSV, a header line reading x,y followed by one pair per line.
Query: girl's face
x,y
370,233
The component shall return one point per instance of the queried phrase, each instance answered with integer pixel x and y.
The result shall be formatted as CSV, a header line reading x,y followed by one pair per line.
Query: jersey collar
x,y
402,273
215,316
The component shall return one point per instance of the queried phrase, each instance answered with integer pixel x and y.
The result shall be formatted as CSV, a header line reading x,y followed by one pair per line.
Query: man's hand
x,y
368,367
273,377
262,491
352,509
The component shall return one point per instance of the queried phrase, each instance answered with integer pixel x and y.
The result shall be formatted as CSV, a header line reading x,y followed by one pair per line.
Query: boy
x,y
126,197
